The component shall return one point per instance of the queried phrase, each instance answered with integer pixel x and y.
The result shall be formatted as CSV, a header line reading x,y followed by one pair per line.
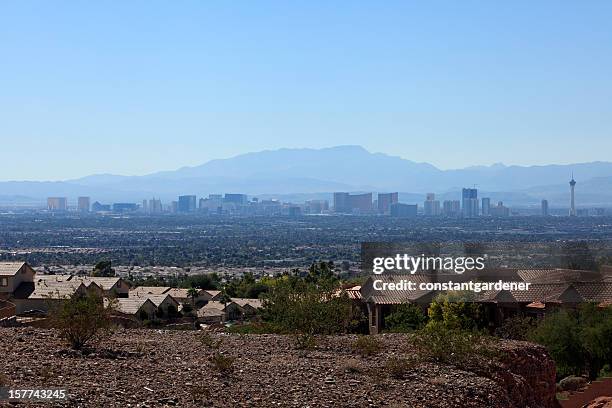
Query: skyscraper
x,y
353,203
341,203
451,208
486,206
360,203
57,203
240,199
83,204
431,206
572,211
186,203
545,208
404,210
500,211
470,202
385,200
155,206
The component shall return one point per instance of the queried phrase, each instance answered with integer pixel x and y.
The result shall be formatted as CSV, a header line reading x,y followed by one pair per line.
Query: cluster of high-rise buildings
x,y
388,204
343,203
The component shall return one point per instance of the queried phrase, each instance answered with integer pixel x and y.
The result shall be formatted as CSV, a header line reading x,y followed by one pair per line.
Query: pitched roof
x,y
212,293
242,302
180,293
391,297
44,289
151,290
210,312
10,268
130,305
155,298
546,285
558,275
213,304
106,283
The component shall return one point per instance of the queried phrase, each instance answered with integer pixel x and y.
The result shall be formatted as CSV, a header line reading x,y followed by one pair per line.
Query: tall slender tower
x,y
572,211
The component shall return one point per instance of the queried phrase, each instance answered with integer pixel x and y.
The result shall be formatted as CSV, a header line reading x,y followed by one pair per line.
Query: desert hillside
x,y
154,368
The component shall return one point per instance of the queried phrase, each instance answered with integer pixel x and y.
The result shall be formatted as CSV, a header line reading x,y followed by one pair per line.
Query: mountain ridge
x,y
338,168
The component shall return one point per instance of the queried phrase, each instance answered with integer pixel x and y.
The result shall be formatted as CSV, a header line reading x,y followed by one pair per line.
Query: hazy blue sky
x,y
132,87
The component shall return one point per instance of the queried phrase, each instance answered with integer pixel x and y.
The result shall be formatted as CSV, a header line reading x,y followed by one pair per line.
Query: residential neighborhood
x,y
24,292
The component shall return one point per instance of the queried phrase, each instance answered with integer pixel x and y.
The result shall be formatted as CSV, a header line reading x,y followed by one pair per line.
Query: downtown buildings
x,y
469,202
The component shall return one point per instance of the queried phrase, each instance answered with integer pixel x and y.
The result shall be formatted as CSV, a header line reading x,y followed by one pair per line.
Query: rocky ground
x,y
154,368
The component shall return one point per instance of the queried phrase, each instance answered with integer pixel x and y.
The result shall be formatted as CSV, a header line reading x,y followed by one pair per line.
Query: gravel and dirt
x,y
157,368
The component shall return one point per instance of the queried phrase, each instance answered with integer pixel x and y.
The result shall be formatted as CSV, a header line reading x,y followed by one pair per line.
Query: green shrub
x,y
81,320
208,341
398,367
516,328
438,342
222,364
295,305
405,318
367,345
305,341
457,310
353,366
580,341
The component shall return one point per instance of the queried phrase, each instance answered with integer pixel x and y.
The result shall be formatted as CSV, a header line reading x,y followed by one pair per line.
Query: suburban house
x,y
211,315
236,309
45,293
164,303
179,294
182,296
135,308
549,289
249,306
214,294
111,286
12,275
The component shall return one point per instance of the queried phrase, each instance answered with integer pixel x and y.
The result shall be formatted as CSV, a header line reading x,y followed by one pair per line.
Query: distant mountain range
x,y
300,174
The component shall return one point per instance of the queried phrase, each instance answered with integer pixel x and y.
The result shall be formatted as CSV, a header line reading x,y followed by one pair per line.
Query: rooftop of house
x,y
242,302
49,289
150,290
546,286
210,312
106,283
157,299
180,293
129,305
213,304
10,268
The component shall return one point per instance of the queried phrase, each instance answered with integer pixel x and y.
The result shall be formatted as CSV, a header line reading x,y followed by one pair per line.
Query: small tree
x,y
306,308
405,318
457,310
193,294
580,341
103,268
82,320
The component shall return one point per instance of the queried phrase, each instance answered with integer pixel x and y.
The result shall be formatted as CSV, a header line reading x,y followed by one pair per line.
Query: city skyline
x,y
361,203
293,175
110,88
